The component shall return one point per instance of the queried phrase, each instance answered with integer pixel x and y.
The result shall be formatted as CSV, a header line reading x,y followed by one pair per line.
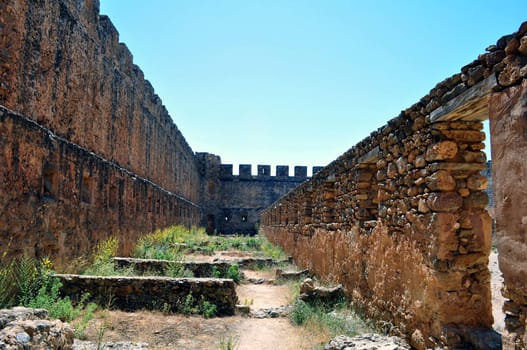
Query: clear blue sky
x,y
298,82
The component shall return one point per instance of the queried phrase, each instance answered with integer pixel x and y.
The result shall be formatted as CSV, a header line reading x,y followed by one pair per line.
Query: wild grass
x,y
331,321
203,307
229,343
101,261
30,283
172,242
169,243
326,320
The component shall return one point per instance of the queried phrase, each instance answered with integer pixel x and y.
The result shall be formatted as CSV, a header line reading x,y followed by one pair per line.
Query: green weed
x,y
336,320
191,306
208,309
27,282
101,260
234,273
215,272
229,343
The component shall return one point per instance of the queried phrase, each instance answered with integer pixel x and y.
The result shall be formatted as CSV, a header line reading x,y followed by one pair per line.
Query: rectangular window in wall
x,y
49,183
113,197
86,189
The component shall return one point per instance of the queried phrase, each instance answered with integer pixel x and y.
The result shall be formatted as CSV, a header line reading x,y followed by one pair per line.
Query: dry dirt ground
x,y
162,331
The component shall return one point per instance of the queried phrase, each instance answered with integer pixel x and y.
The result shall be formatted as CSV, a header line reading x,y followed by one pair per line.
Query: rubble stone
x,y
26,328
367,342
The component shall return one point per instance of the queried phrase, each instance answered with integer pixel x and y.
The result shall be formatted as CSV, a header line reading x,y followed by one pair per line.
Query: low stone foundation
x,y
198,269
152,293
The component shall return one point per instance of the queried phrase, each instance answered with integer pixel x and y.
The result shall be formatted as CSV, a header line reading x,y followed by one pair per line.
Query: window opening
x,y
86,189
49,183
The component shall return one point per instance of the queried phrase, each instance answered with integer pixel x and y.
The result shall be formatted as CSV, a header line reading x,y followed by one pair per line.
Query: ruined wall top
x,y
501,66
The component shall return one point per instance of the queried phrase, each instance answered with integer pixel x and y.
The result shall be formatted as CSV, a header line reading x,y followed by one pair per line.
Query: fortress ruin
x,y
88,151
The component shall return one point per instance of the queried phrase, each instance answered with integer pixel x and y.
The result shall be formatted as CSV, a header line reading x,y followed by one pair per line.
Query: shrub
x,y
101,261
234,273
191,307
208,309
300,313
27,282
188,305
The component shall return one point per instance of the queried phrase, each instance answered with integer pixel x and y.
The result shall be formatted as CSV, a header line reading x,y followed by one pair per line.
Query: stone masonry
x,y
401,218
233,203
87,151
59,199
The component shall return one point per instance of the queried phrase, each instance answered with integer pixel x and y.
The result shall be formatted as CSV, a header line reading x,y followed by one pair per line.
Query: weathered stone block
x,y
444,201
441,151
478,200
477,182
441,181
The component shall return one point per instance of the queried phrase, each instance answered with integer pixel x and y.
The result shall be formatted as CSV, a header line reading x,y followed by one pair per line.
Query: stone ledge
x,y
152,293
199,269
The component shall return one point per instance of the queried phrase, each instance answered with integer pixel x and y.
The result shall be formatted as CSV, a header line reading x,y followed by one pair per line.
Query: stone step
x,y
198,269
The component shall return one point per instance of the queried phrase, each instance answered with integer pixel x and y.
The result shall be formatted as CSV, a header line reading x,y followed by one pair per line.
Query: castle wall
x,y
63,66
58,199
401,218
232,204
244,197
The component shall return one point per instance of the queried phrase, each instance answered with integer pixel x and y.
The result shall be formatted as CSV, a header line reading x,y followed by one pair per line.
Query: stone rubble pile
x,y
90,345
271,312
367,342
25,328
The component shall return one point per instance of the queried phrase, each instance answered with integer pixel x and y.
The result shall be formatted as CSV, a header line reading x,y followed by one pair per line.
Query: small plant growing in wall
x,y
192,307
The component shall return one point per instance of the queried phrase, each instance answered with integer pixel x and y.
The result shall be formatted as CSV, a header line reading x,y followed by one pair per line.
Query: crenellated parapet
x,y
264,173
233,203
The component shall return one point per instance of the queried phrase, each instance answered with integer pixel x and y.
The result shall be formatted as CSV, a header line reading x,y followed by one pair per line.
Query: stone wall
x,y
508,129
401,218
59,199
63,66
153,293
233,203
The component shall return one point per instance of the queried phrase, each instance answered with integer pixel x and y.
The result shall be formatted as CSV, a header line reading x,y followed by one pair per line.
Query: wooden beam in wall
x,y
470,105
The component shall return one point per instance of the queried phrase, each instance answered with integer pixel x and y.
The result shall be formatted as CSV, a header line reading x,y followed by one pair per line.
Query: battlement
x,y
264,172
